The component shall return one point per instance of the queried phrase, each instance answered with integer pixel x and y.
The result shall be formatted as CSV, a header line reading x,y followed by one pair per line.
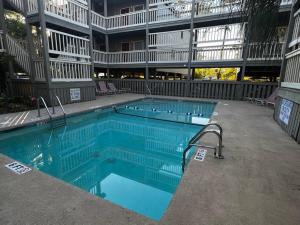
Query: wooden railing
x,y
179,38
286,2
98,20
219,53
232,90
66,70
69,10
39,69
19,4
296,31
2,48
100,57
265,51
66,44
126,20
32,6
205,8
292,75
168,55
170,13
20,54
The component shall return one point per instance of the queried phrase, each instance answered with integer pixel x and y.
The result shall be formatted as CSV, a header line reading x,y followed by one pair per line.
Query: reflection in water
x,y
130,161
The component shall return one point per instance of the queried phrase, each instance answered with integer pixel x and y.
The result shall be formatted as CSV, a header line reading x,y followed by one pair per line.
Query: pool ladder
x,y
194,142
55,123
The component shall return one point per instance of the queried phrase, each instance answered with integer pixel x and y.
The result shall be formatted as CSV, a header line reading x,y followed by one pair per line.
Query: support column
x,y
30,46
10,61
106,37
245,54
191,42
147,47
45,48
92,70
287,41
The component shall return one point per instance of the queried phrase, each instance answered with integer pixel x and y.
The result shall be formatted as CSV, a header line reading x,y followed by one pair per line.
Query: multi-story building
x,y
69,42
287,111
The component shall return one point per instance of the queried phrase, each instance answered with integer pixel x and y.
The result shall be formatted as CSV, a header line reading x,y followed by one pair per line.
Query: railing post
x,y
147,46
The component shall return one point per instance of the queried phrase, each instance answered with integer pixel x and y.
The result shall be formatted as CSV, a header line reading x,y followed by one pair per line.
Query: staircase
x,y
14,48
18,5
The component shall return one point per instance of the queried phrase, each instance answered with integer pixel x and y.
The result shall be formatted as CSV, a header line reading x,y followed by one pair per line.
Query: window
x,y
138,7
138,45
124,10
125,46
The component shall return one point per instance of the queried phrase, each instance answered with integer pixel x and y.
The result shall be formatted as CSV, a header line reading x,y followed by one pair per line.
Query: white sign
x,y
75,94
18,168
200,154
285,111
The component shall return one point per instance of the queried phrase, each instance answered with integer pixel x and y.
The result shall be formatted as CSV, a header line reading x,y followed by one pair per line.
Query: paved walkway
x,y
258,182
12,120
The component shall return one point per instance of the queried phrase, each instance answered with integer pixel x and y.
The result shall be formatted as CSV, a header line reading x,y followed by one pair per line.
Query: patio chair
x,y
269,100
102,89
113,88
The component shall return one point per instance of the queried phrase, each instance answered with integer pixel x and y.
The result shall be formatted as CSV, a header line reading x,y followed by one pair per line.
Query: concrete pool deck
x,y
258,182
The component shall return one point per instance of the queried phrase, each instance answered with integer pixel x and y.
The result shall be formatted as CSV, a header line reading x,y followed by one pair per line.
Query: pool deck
x,y
258,182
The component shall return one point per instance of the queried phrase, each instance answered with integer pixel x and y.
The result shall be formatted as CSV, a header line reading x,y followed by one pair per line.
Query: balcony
x,y
2,49
296,31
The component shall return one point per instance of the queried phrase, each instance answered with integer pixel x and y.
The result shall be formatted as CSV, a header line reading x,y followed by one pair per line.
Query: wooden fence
x,y
230,90
22,87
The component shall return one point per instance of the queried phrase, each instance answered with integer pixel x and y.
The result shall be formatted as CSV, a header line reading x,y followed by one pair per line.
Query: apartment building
x,y
69,42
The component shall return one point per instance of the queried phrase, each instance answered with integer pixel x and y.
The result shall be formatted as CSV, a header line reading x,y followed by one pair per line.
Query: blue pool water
x,y
131,161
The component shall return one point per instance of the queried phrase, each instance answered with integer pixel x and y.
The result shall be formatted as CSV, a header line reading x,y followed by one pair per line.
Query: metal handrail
x,y
198,136
60,105
46,107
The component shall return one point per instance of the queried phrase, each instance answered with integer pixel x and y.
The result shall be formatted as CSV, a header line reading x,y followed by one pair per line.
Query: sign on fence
x,y
285,111
75,94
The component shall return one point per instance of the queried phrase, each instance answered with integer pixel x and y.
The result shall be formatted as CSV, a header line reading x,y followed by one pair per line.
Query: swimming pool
x,y
128,155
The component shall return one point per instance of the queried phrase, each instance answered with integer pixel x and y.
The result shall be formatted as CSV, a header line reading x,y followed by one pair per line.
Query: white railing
x,y
66,44
205,8
100,57
127,57
2,48
168,55
230,32
159,2
20,54
169,13
220,53
39,69
179,38
19,4
286,2
32,6
69,10
296,31
263,51
292,75
98,20
66,70
128,19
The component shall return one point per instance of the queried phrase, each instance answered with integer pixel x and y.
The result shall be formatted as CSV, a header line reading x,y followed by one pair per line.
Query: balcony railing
x,y
119,57
33,6
66,70
69,10
265,51
292,77
98,20
126,20
100,57
296,31
39,69
66,44
2,49
219,53
168,55
178,38
170,13
206,8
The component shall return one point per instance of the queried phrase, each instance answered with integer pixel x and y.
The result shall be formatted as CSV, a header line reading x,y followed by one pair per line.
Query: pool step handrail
x,y
61,107
45,105
194,142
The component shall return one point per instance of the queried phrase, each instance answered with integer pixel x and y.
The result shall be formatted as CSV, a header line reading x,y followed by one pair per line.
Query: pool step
x,y
56,123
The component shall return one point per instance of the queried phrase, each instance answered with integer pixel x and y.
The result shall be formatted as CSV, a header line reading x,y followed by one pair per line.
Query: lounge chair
x,y
102,89
269,100
113,88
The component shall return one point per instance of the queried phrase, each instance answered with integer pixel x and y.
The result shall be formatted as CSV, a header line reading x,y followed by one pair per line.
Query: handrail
x,y
46,107
60,105
198,136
